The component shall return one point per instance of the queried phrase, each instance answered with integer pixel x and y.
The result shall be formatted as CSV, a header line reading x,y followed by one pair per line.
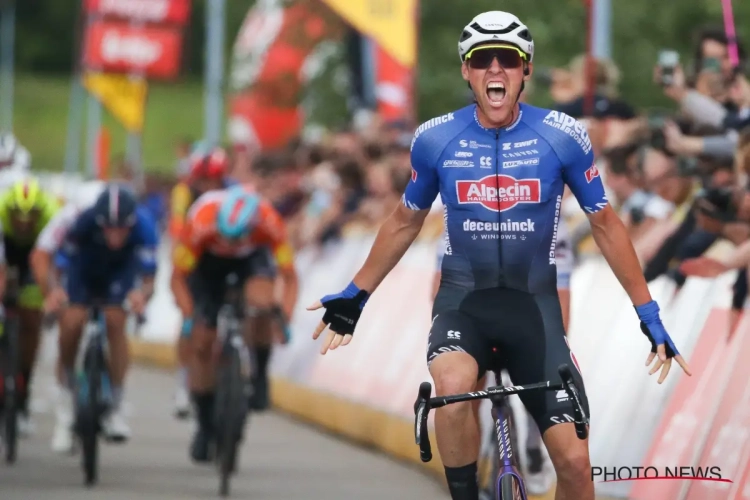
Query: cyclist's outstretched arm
x,y
612,238
402,227
394,238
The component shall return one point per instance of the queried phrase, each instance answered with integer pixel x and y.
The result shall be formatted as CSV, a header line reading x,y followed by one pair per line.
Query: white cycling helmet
x,y
496,26
12,154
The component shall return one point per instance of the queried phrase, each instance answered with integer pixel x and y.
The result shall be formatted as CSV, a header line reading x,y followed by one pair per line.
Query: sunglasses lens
x,y
482,59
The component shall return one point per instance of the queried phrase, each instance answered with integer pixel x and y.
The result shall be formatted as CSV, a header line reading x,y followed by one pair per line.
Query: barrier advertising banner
x,y
120,48
175,12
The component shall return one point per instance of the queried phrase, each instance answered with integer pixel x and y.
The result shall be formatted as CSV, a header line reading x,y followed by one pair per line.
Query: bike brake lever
x,y
569,384
421,411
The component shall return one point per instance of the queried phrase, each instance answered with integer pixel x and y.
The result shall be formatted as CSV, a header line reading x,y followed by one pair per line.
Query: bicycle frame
x,y
501,415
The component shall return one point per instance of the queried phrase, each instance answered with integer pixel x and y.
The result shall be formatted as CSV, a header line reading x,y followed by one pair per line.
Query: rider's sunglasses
x,y
508,56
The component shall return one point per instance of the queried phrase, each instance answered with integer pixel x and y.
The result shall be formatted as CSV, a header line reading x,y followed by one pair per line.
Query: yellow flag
x,y
124,97
391,23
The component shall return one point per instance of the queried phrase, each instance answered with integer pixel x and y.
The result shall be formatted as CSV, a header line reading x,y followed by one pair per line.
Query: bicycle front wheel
x,y
510,488
10,396
89,413
231,404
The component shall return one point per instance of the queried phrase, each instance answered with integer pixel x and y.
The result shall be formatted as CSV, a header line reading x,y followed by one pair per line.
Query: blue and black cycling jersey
x,y
85,250
502,191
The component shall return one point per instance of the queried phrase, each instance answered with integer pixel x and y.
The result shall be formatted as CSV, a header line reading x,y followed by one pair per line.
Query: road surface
x,y
281,459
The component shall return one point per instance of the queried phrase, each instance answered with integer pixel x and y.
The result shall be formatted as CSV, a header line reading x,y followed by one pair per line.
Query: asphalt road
x,y
281,459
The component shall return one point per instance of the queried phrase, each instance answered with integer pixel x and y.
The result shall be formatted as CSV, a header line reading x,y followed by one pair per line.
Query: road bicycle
x,y
234,369
509,484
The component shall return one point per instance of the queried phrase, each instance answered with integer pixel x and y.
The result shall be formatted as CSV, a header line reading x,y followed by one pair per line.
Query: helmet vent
x,y
485,31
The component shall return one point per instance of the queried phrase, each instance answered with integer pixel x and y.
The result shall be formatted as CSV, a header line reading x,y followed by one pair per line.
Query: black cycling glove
x,y
343,309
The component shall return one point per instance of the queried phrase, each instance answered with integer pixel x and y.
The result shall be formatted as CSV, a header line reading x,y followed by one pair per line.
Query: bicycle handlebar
x,y
425,403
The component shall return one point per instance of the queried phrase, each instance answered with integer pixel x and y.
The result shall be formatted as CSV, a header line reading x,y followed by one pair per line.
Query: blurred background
x,y
317,101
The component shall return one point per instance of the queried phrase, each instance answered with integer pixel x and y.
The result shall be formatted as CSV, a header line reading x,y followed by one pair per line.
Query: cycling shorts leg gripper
x,y
556,407
454,331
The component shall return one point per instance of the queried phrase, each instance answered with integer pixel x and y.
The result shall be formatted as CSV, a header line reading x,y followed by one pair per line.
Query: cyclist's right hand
x,y
55,300
343,310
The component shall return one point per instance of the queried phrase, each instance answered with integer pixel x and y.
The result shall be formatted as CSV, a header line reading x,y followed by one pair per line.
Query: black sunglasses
x,y
508,56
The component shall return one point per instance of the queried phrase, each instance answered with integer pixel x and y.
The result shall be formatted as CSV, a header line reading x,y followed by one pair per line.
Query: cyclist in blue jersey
x,y
105,249
538,479
500,167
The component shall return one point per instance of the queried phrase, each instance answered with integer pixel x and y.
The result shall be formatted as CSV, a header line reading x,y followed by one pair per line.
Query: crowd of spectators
x,y
677,179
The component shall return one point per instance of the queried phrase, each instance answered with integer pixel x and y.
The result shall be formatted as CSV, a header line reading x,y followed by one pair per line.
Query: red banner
x,y
271,49
393,87
118,48
147,11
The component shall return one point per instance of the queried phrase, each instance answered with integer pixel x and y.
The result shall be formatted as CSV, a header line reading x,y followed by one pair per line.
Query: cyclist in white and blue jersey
x,y
500,167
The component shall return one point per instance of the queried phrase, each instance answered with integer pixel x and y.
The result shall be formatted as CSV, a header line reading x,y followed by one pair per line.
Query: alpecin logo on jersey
x,y
592,173
499,192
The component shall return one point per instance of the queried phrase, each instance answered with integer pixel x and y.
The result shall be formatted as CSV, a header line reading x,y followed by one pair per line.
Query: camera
x,y
668,61
718,203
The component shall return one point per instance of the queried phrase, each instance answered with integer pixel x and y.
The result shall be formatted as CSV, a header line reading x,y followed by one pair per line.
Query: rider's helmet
x,y
25,196
496,26
211,165
115,207
238,212
12,154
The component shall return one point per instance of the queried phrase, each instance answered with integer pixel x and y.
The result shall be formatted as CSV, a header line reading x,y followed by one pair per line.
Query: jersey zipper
x,y
500,272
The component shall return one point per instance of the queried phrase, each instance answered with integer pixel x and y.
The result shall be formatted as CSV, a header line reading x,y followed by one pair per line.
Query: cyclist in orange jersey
x,y
232,231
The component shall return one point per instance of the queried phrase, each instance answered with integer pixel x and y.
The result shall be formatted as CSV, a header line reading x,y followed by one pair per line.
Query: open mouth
x,y
496,93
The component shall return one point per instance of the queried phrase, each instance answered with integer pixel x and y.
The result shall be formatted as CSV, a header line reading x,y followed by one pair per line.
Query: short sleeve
x,y
576,153
423,187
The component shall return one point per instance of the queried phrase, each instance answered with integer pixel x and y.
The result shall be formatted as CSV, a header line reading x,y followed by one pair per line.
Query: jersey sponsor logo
x,y
570,126
458,163
463,154
518,154
521,163
430,124
413,175
507,146
592,173
553,244
473,144
499,192
505,230
485,162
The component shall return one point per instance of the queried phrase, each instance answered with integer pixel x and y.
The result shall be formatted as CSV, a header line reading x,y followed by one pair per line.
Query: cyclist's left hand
x,y
137,301
661,342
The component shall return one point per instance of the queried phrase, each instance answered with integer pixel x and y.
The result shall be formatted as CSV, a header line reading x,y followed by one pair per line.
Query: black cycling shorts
x,y
513,330
207,282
